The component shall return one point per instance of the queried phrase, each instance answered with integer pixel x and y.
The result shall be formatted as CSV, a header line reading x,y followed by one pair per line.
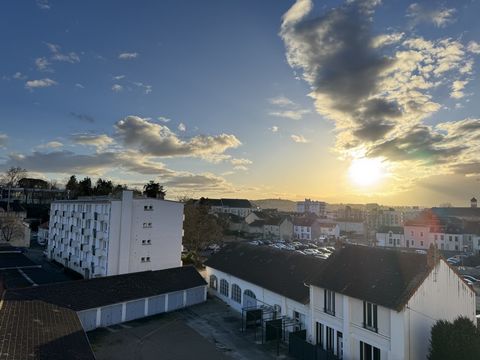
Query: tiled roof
x,y
303,221
92,293
282,272
384,277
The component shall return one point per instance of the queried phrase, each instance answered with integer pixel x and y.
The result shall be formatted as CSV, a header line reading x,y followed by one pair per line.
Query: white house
x,y
239,207
278,228
311,206
373,303
304,228
103,236
246,276
42,235
330,230
390,236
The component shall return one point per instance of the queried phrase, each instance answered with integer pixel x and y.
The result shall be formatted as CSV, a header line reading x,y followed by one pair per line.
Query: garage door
x,y
175,300
135,310
195,296
156,305
88,318
111,315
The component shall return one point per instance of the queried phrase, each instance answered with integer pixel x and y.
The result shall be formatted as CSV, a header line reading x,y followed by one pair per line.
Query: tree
x,y
72,187
103,187
200,228
11,228
154,190
85,187
459,340
11,178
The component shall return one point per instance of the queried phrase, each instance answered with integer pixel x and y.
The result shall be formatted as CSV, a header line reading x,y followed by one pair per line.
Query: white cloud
x,y
119,77
19,76
128,55
474,47
51,145
237,161
117,87
299,139
3,140
182,127
43,64
457,89
80,86
274,129
41,83
158,140
70,57
386,39
163,119
43,4
440,17
296,114
147,88
281,101
100,141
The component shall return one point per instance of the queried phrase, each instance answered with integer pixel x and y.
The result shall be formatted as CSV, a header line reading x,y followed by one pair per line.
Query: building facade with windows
x,y
390,236
384,308
103,236
312,206
246,277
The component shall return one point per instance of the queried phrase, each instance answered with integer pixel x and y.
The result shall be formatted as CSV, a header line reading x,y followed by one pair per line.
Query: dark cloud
x,y
83,117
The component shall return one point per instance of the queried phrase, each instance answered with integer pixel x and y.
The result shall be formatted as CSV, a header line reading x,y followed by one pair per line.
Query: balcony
x,y
101,252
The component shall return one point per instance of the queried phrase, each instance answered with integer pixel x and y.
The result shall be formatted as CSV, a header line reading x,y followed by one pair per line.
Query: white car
x,y
470,278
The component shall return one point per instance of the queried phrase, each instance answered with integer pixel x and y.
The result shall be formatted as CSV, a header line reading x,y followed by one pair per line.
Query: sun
x,y
365,171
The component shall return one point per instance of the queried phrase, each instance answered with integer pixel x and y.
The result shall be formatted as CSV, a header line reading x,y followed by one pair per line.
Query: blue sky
x,y
214,99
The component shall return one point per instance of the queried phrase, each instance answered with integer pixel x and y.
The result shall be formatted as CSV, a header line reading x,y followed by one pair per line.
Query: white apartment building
x,y
330,230
381,304
390,236
105,236
304,229
311,206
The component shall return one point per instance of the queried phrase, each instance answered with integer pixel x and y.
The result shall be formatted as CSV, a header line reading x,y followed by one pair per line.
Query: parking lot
x,y
212,331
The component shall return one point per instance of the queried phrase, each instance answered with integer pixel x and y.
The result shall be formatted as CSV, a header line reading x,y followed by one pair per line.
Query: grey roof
x,y
457,212
236,203
282,272
384,277
93,293
393,229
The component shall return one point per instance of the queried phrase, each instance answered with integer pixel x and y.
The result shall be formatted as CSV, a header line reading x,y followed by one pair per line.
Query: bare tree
x,y
11,228
10,179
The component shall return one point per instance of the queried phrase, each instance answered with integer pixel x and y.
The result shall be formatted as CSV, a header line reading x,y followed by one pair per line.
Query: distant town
x,y
81,263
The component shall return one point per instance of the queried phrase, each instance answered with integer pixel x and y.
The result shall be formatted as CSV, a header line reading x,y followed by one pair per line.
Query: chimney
x,y
433,255
473,202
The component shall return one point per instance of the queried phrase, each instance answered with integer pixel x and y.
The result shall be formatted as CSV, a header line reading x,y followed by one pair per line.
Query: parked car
x,y
470,278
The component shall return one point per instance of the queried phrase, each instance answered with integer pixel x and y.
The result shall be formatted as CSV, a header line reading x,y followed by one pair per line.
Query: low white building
x,y
42,234
390,236
304,228
239,207
382,304
312,206
330,230
246,277
103,236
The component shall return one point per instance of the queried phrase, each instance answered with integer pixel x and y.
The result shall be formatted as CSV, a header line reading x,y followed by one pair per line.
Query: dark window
x,y
329,340
320,334
224,287
369,352
329,302
236,293
370,316
213,282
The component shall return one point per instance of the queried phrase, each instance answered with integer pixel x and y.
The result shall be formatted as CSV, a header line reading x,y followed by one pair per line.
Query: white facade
x,y
285,306
397,335
301,232
103,237
311,206
420,237
390,239
329,229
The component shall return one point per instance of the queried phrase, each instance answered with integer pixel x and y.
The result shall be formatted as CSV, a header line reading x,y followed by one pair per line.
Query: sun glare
x,y
365,172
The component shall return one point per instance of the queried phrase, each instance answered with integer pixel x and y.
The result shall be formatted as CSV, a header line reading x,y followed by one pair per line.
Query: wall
x,y
443,295
288,306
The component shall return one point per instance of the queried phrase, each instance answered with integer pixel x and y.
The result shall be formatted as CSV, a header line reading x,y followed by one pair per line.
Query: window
x,y
224,287
146,242
236,293
456,238
450,238
250,294
329,341
148,208
370,316
319,334
146,259
369,352
421,233
421,243
147,225
390,241
441,237
435,237
329,302
213,282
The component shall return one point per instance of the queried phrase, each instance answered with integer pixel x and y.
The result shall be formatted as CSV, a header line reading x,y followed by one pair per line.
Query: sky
x,y
341,101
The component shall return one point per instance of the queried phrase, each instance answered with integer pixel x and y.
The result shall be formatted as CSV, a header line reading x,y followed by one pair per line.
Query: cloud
x,y
379,97
473,47
51,145
163,119
117,87
43,64
43,4
19,76
158,140
41,83
128,55
290,114
182,127
57,55
80,86
3,140
274,129
440,17
83,117
99,141
147,88
299,139
281,101
118,77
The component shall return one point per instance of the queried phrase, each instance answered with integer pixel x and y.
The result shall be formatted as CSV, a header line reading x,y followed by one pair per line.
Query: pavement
x,y
211,330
